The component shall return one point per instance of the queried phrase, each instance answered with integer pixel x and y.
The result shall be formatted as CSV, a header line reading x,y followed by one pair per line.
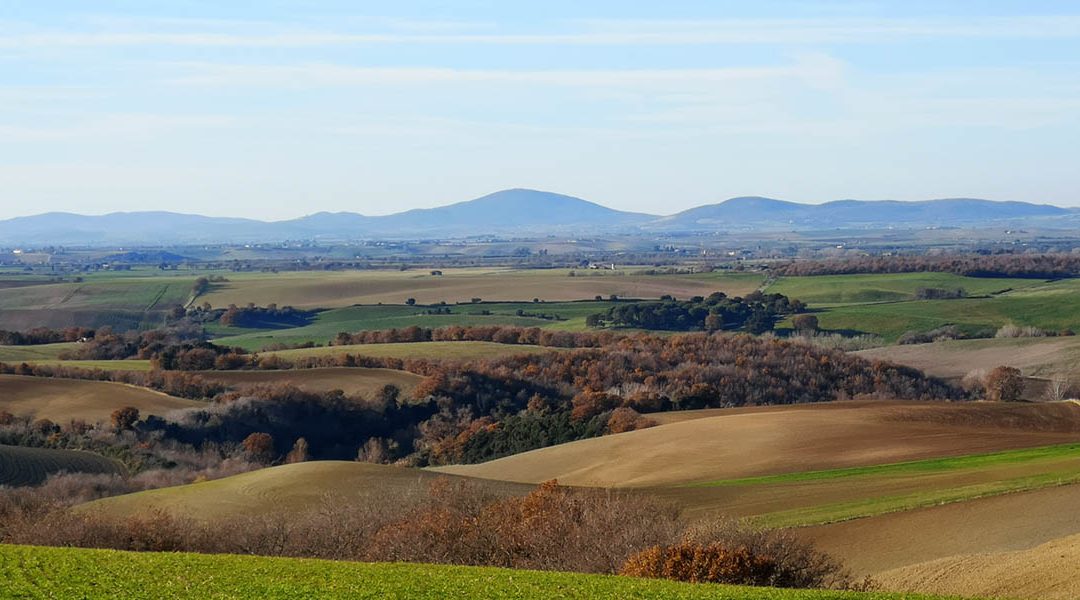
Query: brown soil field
x,y
786,439
1036,357
282,488
62,400
1005,523
340,289
1050,571
352,381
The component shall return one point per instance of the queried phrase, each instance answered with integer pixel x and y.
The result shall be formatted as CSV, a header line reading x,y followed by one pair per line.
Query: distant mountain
x,y
151,228
511,210
767,213
522,212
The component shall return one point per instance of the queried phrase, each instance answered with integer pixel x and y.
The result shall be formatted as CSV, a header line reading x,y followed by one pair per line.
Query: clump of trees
x,y
268,316
932,293
757,312
44,335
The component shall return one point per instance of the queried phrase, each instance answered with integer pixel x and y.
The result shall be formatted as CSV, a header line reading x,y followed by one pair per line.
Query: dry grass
x,y
352,381
62,400
1036,357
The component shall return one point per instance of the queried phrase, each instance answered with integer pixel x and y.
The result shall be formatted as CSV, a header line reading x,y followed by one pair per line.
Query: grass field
x,y
34,572
891,287
121,300
314,289
327,324
353,381
276,489
62,400
30,466
14,354
1036,357
885,304
428,350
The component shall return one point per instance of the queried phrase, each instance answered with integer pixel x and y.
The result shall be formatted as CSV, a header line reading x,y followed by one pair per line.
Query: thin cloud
x,y
597,32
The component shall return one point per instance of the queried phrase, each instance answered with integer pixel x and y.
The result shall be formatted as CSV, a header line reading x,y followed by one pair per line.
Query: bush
x,y
695,563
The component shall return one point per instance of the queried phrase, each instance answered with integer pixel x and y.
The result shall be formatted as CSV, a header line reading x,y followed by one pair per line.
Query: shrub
x,y
712,563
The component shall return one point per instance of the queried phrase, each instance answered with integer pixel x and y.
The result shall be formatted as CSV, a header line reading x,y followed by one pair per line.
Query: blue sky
x,y
278,109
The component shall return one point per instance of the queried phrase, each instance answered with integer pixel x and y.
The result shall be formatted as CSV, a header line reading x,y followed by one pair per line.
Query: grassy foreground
x,y
33,572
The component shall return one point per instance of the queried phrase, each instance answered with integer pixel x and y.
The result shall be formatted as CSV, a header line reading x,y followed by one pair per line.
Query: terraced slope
x,y
31,466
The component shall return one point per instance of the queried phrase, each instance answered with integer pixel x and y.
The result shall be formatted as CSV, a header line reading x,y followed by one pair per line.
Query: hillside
x,y
1046,571
30,466
275,489
783,439
62,400
33,572
353,381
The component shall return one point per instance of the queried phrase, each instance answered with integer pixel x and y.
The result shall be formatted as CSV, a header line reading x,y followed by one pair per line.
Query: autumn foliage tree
x,y
124,418
1004,384
260,446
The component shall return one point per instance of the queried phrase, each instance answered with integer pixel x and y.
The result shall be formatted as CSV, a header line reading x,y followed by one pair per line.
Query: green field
x,y
427,350
914,467
30,466
327,324
885,305
923,483
34,572
14,354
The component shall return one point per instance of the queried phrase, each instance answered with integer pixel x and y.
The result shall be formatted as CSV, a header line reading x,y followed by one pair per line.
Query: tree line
x,y
756,312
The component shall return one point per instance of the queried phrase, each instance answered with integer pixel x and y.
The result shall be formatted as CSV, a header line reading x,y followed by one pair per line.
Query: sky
x,y
273,109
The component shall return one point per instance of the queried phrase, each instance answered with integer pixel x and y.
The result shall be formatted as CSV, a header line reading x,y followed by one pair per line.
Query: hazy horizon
x,y
380,107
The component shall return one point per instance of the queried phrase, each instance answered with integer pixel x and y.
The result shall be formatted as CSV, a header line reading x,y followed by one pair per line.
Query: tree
x,y
714,322
593,320
804,323
299,452
1004,384
410,301
124,418
260,446
1058,388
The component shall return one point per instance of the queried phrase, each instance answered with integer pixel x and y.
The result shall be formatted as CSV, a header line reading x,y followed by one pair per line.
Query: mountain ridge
x,y
520,211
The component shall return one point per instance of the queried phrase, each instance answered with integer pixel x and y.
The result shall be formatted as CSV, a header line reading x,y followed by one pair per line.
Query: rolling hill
x,y
520,211
738,443
62,400
274,489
